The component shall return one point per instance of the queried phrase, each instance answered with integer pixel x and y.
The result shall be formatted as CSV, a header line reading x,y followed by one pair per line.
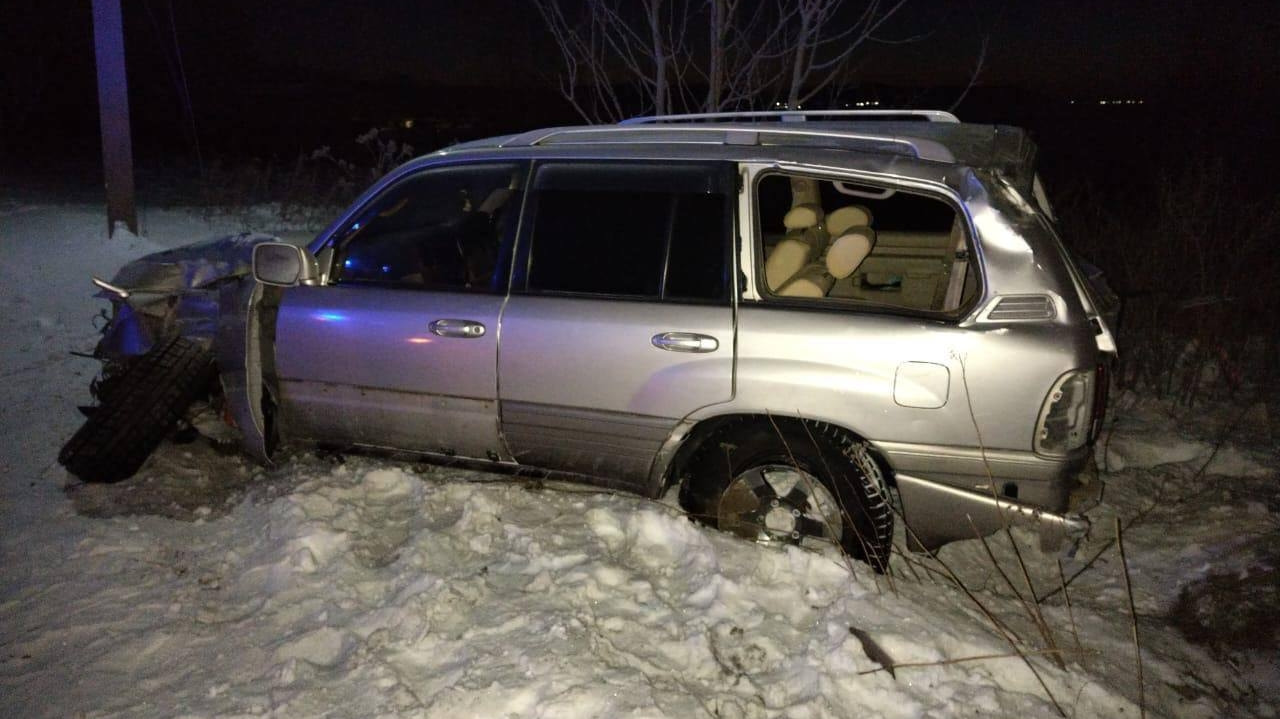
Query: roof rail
x,y
794,116
922,148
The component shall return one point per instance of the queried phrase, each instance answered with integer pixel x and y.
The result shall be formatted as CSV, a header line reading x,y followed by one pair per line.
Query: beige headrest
x,y
495,200
802,217
805,191
785,260
849,250
846,217
812,281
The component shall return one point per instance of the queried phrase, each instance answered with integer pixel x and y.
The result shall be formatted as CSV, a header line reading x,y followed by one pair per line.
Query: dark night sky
x,y
338,54
1062,45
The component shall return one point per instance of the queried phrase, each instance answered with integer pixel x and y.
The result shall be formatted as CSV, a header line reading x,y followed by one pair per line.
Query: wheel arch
x,y
684,444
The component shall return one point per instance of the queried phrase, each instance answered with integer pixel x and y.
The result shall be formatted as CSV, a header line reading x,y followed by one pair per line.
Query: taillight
x,y
1066,418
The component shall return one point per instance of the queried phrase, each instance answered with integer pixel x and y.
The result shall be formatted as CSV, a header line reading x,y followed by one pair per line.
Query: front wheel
x,y
792,483
137,409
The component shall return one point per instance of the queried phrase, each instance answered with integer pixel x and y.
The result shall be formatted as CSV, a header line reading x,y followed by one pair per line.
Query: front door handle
x,y
685,342
456,328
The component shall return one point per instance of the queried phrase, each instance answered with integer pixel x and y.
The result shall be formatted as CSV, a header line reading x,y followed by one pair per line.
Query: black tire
x,y
144,403
841,463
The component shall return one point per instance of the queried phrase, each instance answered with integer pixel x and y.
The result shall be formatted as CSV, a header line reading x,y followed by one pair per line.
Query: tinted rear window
x,y
643,231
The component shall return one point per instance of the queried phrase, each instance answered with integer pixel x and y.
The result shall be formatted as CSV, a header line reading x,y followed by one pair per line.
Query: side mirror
x,y
284,265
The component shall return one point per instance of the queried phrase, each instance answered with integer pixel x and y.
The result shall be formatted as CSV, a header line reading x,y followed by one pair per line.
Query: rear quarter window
x,y
853,245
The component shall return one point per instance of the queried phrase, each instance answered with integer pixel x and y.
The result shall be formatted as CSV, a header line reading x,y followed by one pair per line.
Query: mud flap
x,y
241,345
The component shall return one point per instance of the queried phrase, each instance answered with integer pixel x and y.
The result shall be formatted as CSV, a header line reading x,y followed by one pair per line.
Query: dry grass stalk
x,y
1045,631
1031,608
1070,611
911,566
1133,615
1004,520
1003,630
844,512
974,658
1162,501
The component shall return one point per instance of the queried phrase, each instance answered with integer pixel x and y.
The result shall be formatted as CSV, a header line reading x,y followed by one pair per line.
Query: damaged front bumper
x,y
172,293
202,292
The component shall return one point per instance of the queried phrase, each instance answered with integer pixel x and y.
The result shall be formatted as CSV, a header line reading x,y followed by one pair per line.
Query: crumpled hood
x,y
176,292
191,266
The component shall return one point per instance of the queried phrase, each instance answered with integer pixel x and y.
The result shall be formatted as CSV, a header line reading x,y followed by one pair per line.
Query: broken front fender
x,y
203,292
174,292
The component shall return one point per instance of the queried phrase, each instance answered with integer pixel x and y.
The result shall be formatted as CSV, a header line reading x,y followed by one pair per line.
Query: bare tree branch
x,y
707,55
973,78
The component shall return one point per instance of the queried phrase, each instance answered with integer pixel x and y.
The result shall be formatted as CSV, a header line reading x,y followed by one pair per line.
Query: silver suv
x,y
811,323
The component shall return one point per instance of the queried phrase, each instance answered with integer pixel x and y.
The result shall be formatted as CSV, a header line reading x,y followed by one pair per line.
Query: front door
x,y
620,322
399,349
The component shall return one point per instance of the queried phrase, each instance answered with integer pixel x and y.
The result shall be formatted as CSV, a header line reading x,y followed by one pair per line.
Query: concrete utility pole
x,y
113,114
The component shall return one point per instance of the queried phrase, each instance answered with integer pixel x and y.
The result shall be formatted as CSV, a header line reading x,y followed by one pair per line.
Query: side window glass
x,y
696,267
630,231
847,243
441,229
599,242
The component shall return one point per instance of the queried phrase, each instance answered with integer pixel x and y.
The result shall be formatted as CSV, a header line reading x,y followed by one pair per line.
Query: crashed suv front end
x,y
201,293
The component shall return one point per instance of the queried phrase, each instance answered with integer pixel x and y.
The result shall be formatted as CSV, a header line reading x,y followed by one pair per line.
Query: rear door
x,y
620,321
399,349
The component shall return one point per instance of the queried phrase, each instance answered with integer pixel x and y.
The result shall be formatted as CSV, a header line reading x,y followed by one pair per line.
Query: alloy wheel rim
x,y
778,503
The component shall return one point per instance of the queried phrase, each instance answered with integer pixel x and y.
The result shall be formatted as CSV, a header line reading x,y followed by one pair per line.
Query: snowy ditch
x,y
208,587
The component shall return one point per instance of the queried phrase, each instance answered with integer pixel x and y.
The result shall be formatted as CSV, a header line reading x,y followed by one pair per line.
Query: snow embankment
x,y
1145,439
370,590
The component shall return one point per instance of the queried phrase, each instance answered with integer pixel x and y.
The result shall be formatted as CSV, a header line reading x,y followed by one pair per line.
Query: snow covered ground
x,y
363,587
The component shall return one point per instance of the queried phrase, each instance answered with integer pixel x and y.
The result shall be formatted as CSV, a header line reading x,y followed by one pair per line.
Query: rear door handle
x,y
456,328
685,342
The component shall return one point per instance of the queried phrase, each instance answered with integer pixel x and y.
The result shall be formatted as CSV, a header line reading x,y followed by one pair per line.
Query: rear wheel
x,y
795,483
141,407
